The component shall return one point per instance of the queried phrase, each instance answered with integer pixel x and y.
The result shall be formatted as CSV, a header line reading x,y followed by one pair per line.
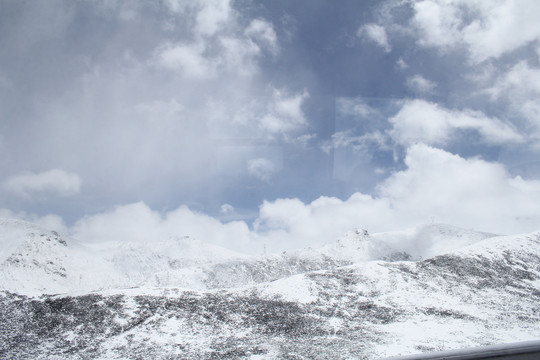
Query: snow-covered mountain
x,y
334,302
37,261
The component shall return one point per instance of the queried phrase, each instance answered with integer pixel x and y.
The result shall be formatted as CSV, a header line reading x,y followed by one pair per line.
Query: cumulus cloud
x,y
486,28
226,209
520,85
471,193
375,33
420,84
438,22
55,181
284,113
137,222
218,46
288,223
521,79
49,221
261,168
427,122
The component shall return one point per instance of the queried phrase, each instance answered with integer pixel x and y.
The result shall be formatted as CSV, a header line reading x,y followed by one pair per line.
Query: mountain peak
x,y
358,231
356,245
15,234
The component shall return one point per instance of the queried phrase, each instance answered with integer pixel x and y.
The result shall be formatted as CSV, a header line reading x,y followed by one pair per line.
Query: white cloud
x,y
263,32
304,139
239,55
261,168
471,193
278,116
375,33
212,16
288,223
359,143
187,58
195,60
420,84
137,222
401,64
520,79
55,181
135,113
486,28
427,122
502,27
438,22
354,106
219,45
284,113
226,209
467,192
50,221
520,85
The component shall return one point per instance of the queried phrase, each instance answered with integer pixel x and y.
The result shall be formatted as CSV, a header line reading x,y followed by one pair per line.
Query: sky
x,y
279,123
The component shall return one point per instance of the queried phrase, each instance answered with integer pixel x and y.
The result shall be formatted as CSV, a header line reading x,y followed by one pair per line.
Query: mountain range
x,y
362,296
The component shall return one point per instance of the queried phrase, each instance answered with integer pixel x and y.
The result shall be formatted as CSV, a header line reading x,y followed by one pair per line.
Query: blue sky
x,y
279,122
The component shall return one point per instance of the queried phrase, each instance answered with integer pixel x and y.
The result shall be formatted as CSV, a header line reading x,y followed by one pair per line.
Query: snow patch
x,y
295,288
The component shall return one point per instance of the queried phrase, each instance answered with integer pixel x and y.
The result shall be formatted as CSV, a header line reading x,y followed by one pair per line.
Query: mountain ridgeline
x,y
42,262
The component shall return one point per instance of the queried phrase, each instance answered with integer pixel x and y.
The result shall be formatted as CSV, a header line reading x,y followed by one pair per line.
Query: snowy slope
x,y
177,261
485,293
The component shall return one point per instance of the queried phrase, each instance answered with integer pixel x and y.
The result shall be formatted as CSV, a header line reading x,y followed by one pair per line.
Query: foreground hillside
x,y
485,293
